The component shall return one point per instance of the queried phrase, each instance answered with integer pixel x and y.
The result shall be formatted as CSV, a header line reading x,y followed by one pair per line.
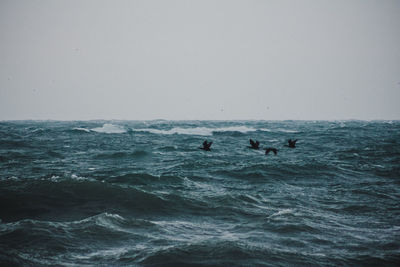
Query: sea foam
x,y
109,128
81,129
204,131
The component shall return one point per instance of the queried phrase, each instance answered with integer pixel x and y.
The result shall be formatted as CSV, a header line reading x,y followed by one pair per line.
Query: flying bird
x,y
254,145
292,143
268,149
206,146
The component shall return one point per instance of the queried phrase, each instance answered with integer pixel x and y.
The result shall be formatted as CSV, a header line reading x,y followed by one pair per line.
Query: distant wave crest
x,y
110,128
81,129
204,131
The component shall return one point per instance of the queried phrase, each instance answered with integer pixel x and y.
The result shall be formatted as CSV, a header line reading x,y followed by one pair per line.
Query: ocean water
x,y
142,193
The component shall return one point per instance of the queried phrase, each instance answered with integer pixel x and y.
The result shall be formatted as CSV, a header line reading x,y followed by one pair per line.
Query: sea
x,y
142,193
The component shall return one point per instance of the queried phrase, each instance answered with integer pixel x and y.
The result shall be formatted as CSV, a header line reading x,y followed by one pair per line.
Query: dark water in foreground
x,y
142,193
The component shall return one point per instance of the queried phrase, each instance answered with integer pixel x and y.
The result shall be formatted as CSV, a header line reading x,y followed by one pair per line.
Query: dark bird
x,y
268,149
206,146
254,145
292,143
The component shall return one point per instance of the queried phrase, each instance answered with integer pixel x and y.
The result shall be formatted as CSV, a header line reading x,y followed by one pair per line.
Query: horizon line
x,y
216,120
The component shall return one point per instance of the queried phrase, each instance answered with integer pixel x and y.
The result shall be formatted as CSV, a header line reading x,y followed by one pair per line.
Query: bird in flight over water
x,y
254,145
206,146
292,143
269,149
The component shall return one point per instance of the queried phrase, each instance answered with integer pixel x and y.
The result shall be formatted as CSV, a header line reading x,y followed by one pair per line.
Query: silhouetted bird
x,y
292,143
268,149
206,146
254,145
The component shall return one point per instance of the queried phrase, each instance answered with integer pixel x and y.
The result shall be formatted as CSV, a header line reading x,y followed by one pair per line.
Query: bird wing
x,y
205,143
267,150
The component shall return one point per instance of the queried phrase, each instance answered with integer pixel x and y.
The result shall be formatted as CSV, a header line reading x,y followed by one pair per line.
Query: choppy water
x,y
142,193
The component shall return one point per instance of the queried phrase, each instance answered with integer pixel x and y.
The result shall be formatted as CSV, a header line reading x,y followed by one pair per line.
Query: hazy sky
x,y
203,59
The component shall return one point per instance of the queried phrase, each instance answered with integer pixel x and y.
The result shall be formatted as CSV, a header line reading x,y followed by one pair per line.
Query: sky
x,y
200,60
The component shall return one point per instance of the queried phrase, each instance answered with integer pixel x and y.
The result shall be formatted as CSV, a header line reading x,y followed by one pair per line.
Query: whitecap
x,y
287,131
37,130
282,212
81,178
204,131
113,216
178,130
76,177
241,129
12,178
112,252
109,128
55,178
265,130
81,129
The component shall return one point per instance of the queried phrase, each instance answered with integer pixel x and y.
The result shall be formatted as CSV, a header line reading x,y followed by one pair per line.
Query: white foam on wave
x,y
81,129
287,131
79,178
109,128
265,130
65,177
242,129
282,212
205,131
112,252
37,130
111,215
11,178
99,218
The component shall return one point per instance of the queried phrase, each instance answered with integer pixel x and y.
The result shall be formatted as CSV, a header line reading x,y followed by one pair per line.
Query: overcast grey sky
x,y
182,59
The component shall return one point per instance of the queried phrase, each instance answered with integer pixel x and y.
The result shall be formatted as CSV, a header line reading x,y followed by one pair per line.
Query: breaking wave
x,y
110,129
202,131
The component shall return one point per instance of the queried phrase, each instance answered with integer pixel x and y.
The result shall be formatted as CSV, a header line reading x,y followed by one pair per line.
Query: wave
x,y
74,197
106,128
12,144
208,131
119,155
287,131
78,129
282,212
219,252
203,131
63,237
143,179
14,156
109,129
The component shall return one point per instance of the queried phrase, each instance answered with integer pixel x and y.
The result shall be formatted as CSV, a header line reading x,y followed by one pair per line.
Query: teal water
x,y
143,193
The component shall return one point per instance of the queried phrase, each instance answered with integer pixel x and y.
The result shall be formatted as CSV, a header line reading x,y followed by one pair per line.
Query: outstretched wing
x,y
292,143
209,144
205,144
274,150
